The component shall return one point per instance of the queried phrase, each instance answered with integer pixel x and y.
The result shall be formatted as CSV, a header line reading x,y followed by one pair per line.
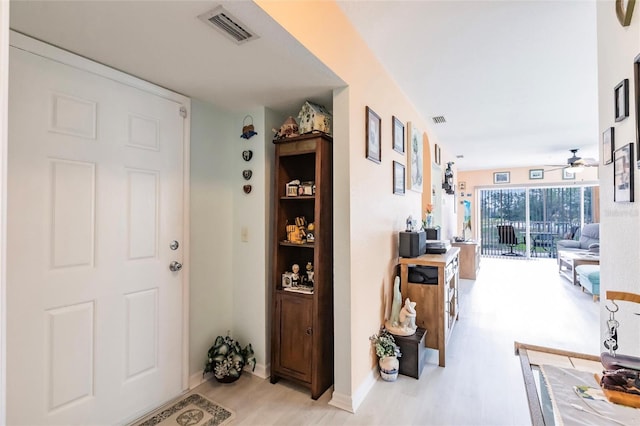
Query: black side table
x,y
413,353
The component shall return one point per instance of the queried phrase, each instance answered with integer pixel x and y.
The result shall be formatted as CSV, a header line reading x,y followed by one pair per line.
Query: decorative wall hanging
x,y
398,178
247,155
373,131
436,154
415,175
246,189
621,95
624,11
608,145
398,136
501,177
448,184
623,174
247,128
246,174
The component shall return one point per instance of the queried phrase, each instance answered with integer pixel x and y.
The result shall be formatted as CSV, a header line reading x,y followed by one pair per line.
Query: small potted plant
x,y
226,359
388,353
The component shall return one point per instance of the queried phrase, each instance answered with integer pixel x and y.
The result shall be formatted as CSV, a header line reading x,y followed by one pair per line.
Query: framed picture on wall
x,y
536,174
398,178
415,175
636,78
621,100
567,174
398,135
501,177
373,129
623,174
608,145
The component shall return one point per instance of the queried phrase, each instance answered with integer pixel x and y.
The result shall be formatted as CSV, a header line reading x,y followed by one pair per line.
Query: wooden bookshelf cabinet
x,y
302,323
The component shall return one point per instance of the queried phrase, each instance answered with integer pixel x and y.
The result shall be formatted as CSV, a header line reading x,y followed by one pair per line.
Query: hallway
x,y
513,299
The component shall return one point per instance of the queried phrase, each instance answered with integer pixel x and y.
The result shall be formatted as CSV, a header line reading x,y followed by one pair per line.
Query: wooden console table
x,y
436,304
469,259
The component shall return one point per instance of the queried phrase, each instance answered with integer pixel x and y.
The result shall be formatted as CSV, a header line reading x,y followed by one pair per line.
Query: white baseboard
x,y
351,403
196,379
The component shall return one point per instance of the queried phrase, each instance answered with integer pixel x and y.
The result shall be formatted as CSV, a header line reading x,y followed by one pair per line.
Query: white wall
x,y
620,227
211,291
4,90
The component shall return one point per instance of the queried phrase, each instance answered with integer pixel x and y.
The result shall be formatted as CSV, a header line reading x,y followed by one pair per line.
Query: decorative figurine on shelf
x,y
310,233
301,223
309,269
409,223
403,319
314,118
407,316
289,129
295,277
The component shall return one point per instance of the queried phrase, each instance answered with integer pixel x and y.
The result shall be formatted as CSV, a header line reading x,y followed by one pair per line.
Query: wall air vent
x,y
230,26
439,119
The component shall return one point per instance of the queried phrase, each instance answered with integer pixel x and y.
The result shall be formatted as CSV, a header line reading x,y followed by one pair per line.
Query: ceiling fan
x,y
575,164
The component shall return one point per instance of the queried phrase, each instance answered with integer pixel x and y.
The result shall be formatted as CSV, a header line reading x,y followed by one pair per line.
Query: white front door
x,y
95,200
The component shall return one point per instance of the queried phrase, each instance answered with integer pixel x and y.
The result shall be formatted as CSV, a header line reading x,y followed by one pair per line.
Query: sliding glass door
x,y
527,222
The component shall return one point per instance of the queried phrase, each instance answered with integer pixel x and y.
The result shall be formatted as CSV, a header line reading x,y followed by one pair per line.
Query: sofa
x,y
589,240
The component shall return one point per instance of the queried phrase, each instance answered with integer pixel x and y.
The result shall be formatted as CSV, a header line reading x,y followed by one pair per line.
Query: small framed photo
x,y
636,80
399,177
536,174
621,96
567,174
608,145
398,135
462,186
502,177
374,147
623,174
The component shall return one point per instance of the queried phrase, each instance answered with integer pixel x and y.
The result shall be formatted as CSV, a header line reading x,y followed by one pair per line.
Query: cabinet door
x,y
295,328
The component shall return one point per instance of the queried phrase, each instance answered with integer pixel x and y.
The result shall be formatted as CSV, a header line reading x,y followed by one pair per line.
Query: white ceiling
x,y
516,80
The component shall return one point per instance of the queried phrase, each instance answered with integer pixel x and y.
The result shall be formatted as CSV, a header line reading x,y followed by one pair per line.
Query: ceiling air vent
x,y
439,119
230,26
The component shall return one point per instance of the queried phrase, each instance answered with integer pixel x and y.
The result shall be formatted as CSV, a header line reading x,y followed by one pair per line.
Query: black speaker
x,y
412,244
433,233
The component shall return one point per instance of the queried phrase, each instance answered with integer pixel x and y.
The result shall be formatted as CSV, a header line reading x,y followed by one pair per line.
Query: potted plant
x,y
226,359
388,353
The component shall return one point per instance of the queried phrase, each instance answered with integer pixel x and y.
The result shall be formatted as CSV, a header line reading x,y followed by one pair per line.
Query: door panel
x,y
94,330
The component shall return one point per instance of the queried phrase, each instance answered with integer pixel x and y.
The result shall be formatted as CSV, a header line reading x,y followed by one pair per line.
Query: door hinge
x,y
183,112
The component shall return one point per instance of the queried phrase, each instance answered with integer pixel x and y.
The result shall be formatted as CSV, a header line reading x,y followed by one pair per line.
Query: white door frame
x,y
45,50
4,119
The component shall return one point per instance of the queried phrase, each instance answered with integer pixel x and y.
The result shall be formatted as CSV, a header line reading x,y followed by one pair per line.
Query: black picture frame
x,y
621,100
636,79
398,135
535,174
399,178
608,145
623,174
374,134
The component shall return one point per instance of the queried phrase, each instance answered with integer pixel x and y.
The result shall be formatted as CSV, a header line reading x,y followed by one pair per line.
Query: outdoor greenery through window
x,y
527,222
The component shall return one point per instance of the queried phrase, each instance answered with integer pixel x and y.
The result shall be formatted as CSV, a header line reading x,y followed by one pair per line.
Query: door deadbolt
x,y
174,245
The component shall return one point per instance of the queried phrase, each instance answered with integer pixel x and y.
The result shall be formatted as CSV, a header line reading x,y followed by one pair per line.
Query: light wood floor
x,y
511,300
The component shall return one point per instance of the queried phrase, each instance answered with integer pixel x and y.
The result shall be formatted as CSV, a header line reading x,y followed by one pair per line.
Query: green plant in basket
x,y
226,359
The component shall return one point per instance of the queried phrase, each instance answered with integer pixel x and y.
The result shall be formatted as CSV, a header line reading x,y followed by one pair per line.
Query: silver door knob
x,y
175,266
